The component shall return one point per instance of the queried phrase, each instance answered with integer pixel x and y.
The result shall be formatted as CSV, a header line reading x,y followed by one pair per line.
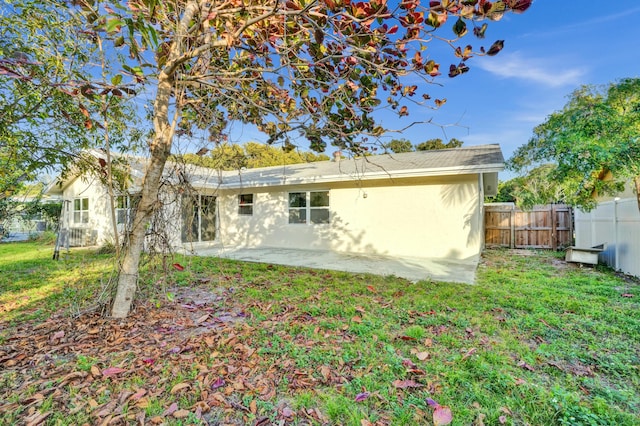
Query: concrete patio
x,y
410,268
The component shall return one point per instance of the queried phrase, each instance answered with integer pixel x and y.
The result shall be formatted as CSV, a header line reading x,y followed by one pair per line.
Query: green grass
x,y
535,341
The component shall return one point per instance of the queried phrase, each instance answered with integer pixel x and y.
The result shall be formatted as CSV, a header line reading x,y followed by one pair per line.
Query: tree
x,y
398,146
42,55
438,144
251,155
593,144
527,191
318,69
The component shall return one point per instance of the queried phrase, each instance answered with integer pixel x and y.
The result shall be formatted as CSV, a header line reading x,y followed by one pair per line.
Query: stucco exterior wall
x,y
99,224
423,217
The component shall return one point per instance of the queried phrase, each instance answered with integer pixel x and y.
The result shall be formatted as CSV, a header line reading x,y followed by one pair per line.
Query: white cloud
x,y
541,71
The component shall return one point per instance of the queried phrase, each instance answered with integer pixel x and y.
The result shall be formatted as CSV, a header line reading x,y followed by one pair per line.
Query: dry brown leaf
x,y
325,372
181,414
180,386
422,356
404,384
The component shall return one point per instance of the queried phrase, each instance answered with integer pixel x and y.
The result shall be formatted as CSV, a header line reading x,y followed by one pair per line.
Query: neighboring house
x,y
616,223
422,204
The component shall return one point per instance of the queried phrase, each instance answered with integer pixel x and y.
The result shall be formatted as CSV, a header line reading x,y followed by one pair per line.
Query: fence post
x,y
615,232
512,226
554,227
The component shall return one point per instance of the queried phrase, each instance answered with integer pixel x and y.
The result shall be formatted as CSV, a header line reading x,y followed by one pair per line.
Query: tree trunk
x,y
636,180
160,150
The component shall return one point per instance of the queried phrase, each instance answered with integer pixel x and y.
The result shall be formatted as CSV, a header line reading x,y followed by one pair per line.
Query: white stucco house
x,y
426,204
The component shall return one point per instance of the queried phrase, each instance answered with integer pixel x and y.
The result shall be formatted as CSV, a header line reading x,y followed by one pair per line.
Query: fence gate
x,y
543,227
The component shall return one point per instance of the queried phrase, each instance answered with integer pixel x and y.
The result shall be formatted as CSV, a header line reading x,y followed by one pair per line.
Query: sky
x,y
550,50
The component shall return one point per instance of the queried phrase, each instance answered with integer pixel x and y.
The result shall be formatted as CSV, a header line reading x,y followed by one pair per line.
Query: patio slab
x,y
410,268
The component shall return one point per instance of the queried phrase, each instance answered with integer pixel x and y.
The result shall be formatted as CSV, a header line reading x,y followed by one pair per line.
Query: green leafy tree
x,y
438,144
251,155
315,69
399,146
42,56
527,191
593,144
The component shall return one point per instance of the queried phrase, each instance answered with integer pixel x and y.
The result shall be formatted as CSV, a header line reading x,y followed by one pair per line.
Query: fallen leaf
x,y
172,409
408,363
362,396
404,384
287,412
526,366
149,361
356,319
218,383
112,371
627,295
139,394
520,381
58,335
253,407
469,353
408,338
371,289
365,422
178,267
180,414
442,416
502,419
431,403
422,355
202,319
325,372
180,386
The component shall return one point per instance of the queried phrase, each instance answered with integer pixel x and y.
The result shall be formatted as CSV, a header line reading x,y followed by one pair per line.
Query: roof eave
x,y
344,177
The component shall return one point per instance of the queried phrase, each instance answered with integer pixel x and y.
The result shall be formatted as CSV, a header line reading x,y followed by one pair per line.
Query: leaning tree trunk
x,y
636,180
160,150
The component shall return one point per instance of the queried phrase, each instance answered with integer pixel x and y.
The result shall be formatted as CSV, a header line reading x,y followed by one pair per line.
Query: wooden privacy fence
x,y
543,227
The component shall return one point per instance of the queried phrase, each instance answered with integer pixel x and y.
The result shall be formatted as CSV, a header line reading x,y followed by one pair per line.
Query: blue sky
x,y
550,50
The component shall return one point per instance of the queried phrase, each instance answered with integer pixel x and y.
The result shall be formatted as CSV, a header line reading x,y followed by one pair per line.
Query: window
x,y
81,210
245,204
309,207
198,218
126,208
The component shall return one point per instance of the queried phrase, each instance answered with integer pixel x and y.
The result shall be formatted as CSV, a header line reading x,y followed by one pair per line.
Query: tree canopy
x,y
250,155
592,144
438,144
398,146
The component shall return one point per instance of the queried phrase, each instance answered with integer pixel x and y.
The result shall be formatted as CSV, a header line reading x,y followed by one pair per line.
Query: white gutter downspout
x,y
481,216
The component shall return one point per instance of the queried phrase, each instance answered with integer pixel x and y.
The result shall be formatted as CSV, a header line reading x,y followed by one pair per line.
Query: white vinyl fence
x,y
616,223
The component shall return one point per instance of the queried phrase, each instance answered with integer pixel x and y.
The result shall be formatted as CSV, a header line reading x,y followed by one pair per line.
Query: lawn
x,y
536,341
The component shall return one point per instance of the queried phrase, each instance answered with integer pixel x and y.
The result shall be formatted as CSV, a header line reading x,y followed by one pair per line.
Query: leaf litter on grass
x,y
283,347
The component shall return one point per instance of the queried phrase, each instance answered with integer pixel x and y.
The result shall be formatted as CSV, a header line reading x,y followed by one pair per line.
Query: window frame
x,y
81,209
306,210
245,208
127,209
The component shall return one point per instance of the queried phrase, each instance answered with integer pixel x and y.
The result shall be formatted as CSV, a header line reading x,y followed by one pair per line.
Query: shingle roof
x,y
443,162
475,159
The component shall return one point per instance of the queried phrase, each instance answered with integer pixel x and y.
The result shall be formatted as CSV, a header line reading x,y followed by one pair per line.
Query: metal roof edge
x,y
346,177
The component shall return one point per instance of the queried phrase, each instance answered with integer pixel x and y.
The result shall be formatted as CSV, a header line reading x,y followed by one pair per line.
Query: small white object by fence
x,y
584,255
